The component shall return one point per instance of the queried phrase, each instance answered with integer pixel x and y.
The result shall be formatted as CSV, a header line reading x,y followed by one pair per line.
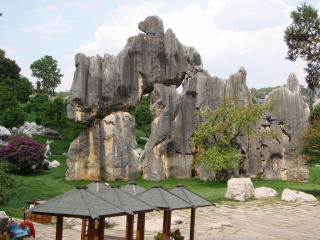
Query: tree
x,y
302,37
215,137
10,78
8,67
47,73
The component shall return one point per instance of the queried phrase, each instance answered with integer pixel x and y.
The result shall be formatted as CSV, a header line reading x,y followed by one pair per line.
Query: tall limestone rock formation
x,y
102,86
168,152
289,118
105,88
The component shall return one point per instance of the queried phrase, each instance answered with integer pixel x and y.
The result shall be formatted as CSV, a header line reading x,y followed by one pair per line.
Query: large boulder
x,y
4,133
239,189
31,128
264,192
105,150
289,195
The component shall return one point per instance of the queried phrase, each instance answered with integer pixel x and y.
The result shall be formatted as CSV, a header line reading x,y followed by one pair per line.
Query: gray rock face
x,y
155,62
103,85
168,152
31,128
105,150
4,133
277,158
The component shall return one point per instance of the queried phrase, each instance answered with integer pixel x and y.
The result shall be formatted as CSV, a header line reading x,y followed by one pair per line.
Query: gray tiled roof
x,y
79,202
124,199
97,186
133,188
194,199
162,198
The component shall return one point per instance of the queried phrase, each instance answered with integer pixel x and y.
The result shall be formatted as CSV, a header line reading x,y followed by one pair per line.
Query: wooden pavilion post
x,y
59,228
169,222
83,227
102,224
165,225
140,226
129,227
91,229
192,223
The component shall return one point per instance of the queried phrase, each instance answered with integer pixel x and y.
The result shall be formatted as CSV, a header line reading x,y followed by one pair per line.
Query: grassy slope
x,y
50,183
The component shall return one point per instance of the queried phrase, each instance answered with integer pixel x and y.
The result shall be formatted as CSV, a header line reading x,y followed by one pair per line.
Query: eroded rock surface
x,y
105,150
168,152
102,85
278,156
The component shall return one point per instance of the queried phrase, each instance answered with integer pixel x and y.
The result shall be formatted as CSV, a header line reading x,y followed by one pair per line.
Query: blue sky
x,y
227,33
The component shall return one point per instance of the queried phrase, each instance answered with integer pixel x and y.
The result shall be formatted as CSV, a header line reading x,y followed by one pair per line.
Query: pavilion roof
x,y
125,200
80,203
163,199
97,186
133,188
194,199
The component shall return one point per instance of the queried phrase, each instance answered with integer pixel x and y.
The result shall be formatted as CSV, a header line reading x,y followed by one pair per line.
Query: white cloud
x,y
111,37
226,34
45,9
53,26
81,6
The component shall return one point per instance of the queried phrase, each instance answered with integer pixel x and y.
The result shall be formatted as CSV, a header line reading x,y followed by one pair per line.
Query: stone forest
x,y
125,130
105,88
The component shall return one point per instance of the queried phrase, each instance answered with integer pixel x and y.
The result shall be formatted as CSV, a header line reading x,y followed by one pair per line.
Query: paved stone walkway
x,y
254,220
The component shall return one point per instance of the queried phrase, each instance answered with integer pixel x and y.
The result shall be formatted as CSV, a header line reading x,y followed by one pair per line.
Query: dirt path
x,y
254,220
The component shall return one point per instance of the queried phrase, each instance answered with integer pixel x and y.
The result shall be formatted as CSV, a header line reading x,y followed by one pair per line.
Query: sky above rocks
x,y
227,33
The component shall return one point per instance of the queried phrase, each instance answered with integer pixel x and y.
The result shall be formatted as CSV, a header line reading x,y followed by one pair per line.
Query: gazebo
x,y
194,199
80,203
165,201
131,203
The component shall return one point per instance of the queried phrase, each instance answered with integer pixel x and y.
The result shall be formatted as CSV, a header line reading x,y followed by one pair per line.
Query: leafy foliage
x,y
303,40
215,136
311,143
12,117
8,67
10,185
142,115
48,74
315,112
23,154
53,114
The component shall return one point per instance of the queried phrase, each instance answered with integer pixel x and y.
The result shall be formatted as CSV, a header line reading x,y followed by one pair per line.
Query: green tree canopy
x,y
215,137
47,73
302,37
8,67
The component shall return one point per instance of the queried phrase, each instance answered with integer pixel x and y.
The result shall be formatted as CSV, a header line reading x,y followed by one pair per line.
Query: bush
x,y
10,185
23,154
12,117
311,143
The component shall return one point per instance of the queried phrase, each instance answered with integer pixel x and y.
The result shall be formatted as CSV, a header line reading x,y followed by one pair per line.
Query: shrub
x,y
23,154
10,185
311,143
12,117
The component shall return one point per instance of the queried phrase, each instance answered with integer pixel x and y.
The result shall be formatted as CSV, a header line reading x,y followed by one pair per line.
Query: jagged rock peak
x,y
293,83
152,25
116,83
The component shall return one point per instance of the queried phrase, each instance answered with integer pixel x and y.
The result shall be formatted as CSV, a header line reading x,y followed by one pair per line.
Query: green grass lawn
x,y
50,183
